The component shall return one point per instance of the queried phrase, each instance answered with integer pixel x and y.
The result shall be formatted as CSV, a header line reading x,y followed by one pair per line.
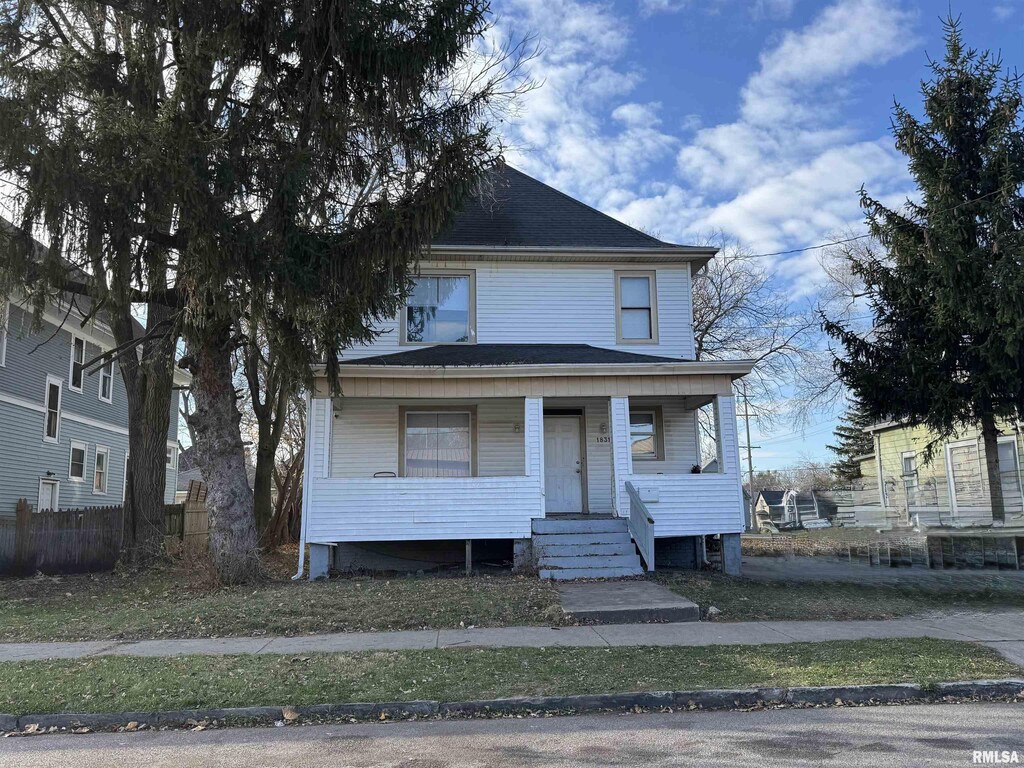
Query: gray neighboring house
x,y
65,431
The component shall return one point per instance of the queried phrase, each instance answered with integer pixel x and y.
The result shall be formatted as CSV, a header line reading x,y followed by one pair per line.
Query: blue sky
x,y
761,118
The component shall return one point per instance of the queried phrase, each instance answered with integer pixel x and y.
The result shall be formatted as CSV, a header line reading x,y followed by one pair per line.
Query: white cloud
x,y
758,9
580,131
784,173
1003,12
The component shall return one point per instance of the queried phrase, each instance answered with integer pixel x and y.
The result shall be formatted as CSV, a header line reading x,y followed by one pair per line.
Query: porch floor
x,y
625,602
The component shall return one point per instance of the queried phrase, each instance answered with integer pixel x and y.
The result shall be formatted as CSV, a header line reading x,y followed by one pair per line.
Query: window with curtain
x,y
76,470
438,444
438,310
99,474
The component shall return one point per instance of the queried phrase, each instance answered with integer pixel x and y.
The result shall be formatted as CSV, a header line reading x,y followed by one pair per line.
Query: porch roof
x,y
466,355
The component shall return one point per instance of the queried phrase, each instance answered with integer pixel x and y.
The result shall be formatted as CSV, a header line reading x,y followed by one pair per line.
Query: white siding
x,y
365,436
687,504
561,304
422,508
680,437
351,505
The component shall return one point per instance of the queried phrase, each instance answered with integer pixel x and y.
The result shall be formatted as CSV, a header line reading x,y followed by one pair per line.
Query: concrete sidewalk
x,y
1002,631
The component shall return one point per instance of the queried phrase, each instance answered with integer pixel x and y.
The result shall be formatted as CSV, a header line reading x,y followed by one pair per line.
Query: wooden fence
x,y
83,540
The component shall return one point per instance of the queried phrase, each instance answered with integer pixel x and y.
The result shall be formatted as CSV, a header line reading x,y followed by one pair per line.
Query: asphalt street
x,y
939,734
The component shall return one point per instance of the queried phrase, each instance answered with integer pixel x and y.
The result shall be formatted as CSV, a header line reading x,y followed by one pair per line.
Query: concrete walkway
x,y
1002,631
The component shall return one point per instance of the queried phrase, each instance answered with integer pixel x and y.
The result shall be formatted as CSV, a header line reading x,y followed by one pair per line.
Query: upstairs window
x,y
440,310
107,382
5,319
636,298
77,364
51,424
172,457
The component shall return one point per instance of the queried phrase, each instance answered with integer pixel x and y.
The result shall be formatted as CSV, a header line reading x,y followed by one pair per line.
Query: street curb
x,y
614,702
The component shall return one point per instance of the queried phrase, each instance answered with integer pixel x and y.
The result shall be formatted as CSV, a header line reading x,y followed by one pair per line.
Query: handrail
x,y
641,525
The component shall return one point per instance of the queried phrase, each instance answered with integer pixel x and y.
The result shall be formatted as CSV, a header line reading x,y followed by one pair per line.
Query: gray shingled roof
x,y
448,355
516,210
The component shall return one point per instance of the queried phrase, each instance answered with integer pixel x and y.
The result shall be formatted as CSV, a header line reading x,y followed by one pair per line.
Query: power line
x,y
819,246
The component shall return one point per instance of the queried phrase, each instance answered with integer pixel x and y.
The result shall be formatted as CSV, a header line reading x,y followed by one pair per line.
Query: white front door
x,y
563,465
49,495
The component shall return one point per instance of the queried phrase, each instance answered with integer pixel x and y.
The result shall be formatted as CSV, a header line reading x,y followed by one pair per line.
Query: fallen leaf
x,y
289,714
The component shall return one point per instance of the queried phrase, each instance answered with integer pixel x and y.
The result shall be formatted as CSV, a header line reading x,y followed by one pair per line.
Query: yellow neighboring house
x,y
898,489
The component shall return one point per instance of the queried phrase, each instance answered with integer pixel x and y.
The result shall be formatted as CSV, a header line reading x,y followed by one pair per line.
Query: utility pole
x,y
750,458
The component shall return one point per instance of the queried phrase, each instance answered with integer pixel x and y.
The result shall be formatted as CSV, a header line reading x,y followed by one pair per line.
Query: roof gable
x,y
513,210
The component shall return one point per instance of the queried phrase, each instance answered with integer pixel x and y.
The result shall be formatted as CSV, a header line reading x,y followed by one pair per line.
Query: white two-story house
x,y
538,391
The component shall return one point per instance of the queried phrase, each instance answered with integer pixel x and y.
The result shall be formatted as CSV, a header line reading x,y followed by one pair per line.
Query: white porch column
x,y
622,455
729,447
533,439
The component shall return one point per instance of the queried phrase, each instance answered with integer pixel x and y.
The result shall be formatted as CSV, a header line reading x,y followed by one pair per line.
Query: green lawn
x,y
109,684
747,600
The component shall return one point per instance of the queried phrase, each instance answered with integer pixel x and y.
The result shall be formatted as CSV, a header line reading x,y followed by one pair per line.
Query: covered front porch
x,y
397,459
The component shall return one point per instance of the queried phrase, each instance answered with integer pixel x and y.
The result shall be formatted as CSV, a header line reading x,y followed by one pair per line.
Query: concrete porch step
x,y
578,549
568,574
575,562
578,526
573,539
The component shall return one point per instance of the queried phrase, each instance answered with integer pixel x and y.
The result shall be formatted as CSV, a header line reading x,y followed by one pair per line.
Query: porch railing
x,y
641,525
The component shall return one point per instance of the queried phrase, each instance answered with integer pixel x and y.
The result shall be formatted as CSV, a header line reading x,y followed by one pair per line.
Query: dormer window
x,y
636,300
440,309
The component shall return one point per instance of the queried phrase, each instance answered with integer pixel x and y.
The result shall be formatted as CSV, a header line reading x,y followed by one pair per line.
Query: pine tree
x,y
947,348
278,165
851,441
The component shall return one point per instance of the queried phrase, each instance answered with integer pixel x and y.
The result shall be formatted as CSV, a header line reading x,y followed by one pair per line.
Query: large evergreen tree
x,y
851,441
947,349
276,165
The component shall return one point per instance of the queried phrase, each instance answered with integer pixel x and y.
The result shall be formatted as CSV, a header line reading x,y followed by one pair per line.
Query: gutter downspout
x,y
306,459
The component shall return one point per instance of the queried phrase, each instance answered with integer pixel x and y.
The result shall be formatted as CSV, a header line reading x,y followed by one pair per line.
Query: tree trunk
x,y
990,437
263,482
221,458
148,380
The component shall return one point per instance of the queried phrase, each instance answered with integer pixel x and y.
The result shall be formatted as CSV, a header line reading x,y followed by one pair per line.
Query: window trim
x,y
403,320
59,383
39,495
659,432
103,375
71,365
652,276
474,443
5,324
84,447
106,469
172,459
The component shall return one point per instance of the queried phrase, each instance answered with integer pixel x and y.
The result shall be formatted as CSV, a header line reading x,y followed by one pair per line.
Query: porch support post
x,y
319,561
622,457
533,440
731,554
729,449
